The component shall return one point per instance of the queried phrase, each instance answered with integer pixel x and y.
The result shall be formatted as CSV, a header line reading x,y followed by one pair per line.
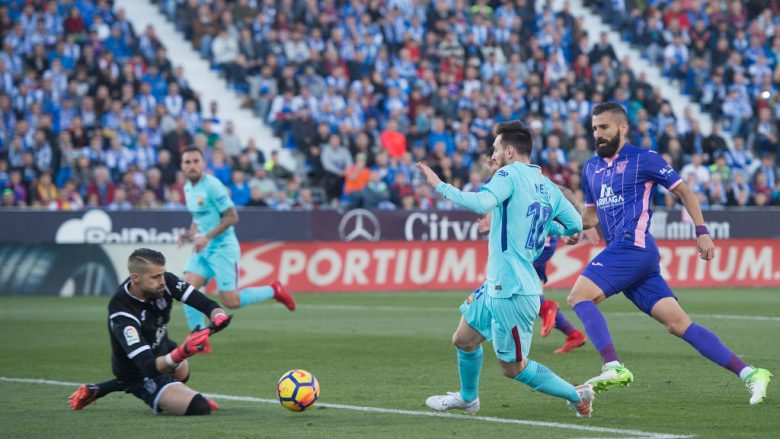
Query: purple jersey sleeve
x,y
586,186
655,169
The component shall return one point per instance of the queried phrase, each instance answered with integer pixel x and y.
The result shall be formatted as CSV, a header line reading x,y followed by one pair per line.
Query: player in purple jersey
x,y
618,186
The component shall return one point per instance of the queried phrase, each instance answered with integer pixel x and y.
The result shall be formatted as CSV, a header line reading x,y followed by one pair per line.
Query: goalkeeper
x,y
145,361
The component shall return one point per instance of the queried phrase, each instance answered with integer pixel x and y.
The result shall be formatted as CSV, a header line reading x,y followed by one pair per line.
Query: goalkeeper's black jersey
x,y
139,328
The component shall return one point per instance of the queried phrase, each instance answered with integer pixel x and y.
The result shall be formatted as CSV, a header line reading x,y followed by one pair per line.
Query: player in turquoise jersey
x,y
525,206
216,253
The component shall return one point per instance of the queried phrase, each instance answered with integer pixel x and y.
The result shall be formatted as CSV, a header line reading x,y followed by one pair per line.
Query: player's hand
x,y
592,235
219,321
196,342
706,247
430,176
201,241
184,237
571,239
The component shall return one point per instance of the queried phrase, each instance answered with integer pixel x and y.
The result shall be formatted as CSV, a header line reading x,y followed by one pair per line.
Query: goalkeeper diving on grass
x,y
144,360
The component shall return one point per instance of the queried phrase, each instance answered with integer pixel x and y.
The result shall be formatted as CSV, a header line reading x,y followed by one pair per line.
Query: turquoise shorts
x,y
508,322
220,262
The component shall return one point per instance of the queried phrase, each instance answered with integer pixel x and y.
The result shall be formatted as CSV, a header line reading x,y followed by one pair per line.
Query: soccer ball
x,y
298,390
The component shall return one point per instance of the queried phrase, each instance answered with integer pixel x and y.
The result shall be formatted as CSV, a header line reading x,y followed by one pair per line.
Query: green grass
x,y
391,351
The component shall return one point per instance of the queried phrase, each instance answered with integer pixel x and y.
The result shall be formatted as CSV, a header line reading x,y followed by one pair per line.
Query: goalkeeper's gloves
x,y
195,343
219,322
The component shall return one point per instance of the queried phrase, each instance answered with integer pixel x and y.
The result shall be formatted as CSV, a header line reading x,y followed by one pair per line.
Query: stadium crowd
x,y
94,114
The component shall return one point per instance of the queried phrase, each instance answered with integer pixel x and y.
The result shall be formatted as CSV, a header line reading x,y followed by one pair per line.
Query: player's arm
x,y
497,190
657,170
228,215
186,293
188,235
566,219
570,197
125,328
229,219
691,203
590,217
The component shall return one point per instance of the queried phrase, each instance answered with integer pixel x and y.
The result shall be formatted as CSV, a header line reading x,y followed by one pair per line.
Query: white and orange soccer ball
x,y
298,390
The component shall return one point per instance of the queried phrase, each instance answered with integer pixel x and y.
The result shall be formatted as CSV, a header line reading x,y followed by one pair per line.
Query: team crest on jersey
x,y
131,335
620,167
161,303
150,386
200,201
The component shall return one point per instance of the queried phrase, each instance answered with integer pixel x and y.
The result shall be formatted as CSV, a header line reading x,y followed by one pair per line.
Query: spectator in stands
x,y
739,191
239,189
393,141
335,161
120,201
696,167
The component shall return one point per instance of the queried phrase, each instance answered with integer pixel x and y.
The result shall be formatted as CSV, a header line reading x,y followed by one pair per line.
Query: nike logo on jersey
x,y
598,171
597,264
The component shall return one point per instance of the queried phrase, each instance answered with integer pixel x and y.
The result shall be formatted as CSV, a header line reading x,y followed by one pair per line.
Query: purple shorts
x,y
633,270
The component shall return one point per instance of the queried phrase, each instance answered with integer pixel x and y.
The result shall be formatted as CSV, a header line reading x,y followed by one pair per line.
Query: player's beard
x,y
153,293
607,148
194,177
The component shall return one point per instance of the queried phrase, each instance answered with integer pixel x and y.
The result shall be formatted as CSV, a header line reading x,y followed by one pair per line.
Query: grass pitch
x,y
377,357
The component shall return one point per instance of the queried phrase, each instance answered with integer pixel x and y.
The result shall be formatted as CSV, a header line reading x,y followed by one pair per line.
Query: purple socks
x,y
596,328
562,324
710,346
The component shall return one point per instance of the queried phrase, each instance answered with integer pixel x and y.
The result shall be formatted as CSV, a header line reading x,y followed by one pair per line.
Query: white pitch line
x,y
328,307
634,433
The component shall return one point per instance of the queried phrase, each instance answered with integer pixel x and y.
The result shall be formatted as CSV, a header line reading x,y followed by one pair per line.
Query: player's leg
x,y
550,312
89,393
468,339
164,393
225,263
512,325
552,317
583,299
669,312
178,399
616,268
196,273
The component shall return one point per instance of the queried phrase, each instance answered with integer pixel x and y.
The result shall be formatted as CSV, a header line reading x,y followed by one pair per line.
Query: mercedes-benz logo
x,y
359,224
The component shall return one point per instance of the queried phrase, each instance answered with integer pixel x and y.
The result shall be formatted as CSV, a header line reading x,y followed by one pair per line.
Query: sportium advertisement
x,y
460,265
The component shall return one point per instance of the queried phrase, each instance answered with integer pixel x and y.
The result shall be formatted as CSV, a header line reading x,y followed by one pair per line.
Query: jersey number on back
x,y
536,235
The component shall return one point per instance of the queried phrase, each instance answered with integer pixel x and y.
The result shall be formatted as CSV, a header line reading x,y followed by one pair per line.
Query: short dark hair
x,y
610,107
517,135
142,257
192,149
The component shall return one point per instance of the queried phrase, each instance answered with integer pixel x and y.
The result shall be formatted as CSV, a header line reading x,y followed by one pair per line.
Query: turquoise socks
x,y
252,295
194,317
469,365
247,296
542,379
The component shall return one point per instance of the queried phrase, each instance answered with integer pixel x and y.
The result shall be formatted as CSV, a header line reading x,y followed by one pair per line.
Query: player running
x,y
526,206
144,360
618,186
216,252
549,311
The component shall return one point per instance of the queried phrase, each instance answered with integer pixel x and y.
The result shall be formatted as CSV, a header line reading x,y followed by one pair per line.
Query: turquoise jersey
x,y
525,205
206,200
